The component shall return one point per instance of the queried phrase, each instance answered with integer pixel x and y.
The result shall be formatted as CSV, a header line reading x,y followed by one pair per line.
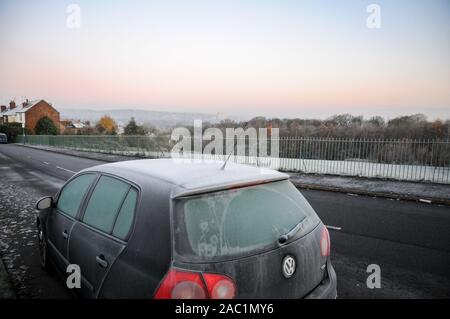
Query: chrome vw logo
x,y
288,266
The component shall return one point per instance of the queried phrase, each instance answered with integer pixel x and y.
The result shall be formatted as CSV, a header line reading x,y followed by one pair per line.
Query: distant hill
x,y
156,118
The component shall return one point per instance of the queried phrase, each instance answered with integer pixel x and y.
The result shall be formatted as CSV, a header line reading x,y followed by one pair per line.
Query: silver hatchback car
x,y
170,229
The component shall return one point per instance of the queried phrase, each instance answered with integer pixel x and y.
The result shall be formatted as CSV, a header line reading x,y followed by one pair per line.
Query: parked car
x,y
165,229
3,138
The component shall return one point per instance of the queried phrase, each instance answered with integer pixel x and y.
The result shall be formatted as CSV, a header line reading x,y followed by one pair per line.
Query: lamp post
x,y
23,133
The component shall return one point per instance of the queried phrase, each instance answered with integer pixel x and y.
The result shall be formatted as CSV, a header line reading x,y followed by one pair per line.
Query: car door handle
x,y
64,234
101,261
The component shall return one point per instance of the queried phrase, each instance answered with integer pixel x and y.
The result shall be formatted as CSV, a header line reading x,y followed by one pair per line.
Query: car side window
x,y
126,215
105,202
72,194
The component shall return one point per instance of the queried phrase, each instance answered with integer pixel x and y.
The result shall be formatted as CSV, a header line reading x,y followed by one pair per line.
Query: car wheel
x,y
43,252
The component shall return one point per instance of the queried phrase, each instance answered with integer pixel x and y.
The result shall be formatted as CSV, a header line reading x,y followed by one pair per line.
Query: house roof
x,y
20,108
28,106
77,125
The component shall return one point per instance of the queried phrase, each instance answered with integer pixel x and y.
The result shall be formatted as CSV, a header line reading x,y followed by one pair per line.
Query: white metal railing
x,y
406,160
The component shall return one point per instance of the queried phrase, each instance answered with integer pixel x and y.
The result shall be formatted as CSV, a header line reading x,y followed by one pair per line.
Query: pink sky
x,y
272,58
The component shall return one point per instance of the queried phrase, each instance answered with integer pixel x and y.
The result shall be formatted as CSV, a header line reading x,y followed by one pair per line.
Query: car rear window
x,y
241,221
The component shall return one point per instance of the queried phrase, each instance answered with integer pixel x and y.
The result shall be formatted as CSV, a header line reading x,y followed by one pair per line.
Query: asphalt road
x,y
409,241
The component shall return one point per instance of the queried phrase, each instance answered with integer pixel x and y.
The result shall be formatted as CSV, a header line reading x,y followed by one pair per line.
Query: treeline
x,y
415,126
106,125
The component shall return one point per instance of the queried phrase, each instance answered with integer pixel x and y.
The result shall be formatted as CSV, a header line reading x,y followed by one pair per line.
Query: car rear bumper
x,y
327,289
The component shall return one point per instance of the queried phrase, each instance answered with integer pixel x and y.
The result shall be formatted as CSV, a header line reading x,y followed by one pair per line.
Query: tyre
x,y
43,248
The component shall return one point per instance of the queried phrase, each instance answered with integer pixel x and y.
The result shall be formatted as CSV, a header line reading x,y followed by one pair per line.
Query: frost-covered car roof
x,y
191,176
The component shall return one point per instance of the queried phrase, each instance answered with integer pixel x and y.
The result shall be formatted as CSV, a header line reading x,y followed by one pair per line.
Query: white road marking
x,y
65,169
45,163
333,227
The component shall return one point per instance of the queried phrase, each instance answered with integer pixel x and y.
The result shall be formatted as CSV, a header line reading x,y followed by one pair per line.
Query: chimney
x,y
25,103
2,108
12,105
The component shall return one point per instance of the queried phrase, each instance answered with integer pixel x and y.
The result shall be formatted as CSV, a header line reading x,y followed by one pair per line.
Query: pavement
x,y
102,156
407,239
411,191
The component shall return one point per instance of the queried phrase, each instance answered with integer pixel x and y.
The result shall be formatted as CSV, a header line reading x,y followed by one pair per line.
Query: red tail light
x,y
191,285
219,287
325,242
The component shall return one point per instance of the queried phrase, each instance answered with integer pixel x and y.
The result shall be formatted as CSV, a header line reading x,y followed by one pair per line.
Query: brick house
x,y
28,113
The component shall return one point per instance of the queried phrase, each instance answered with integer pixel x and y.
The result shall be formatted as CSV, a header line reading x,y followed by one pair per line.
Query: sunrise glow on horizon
x,y
290,58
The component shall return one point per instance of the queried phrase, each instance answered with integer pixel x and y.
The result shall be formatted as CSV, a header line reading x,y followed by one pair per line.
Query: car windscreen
x,y
238,222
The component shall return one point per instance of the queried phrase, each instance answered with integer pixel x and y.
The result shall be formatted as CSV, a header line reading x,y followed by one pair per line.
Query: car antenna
x,y
229,155
226,161
234,148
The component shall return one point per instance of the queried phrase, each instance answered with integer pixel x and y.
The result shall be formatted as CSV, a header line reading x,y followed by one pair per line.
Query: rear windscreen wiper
x,y
285,237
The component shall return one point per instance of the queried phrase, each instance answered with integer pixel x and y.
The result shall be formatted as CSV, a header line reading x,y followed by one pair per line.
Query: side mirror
x,y
44,203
